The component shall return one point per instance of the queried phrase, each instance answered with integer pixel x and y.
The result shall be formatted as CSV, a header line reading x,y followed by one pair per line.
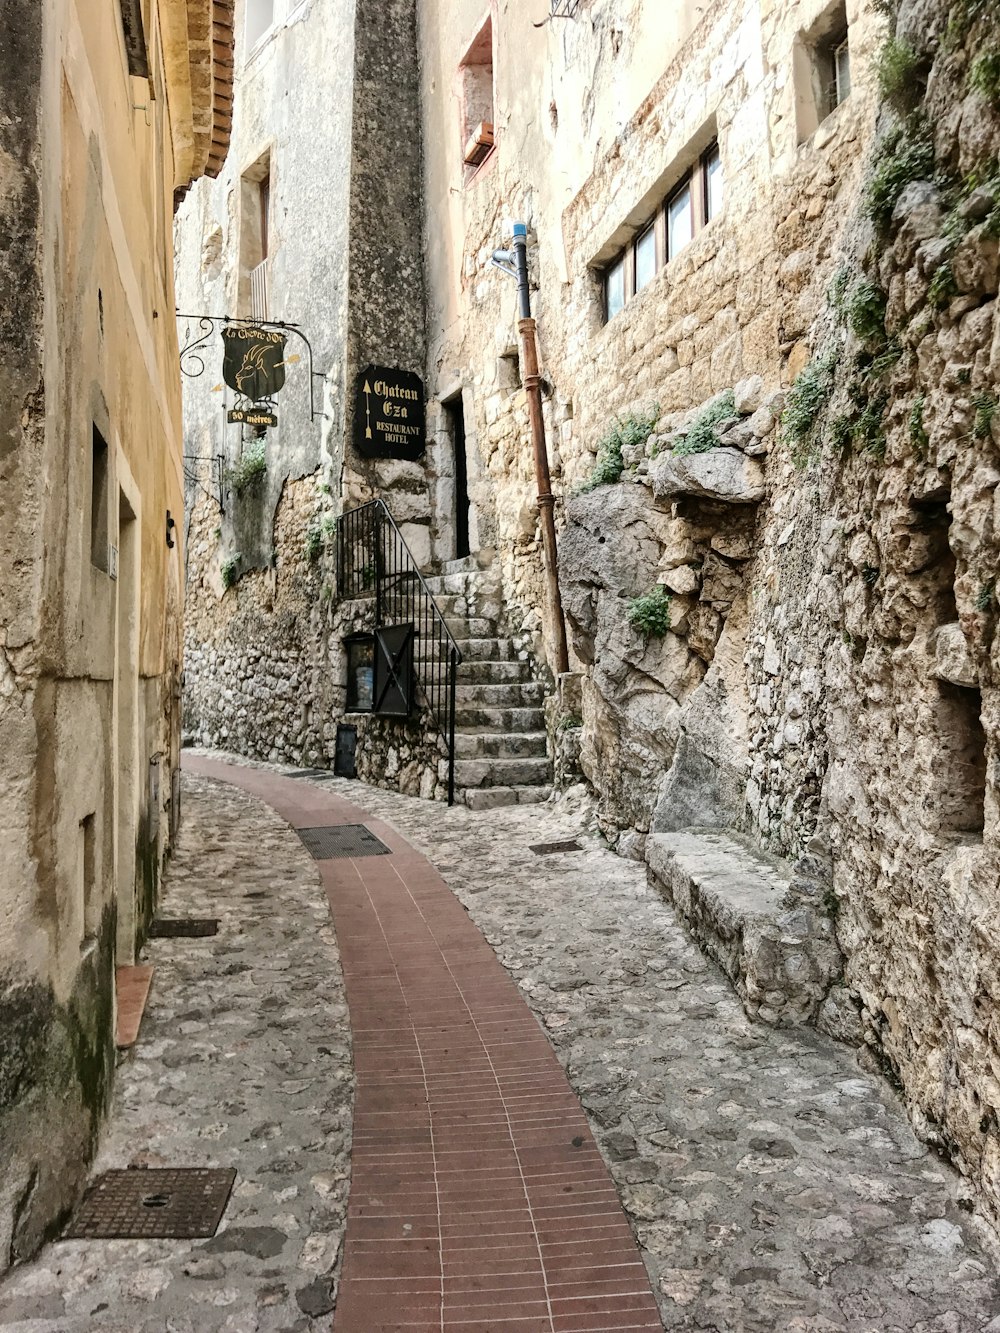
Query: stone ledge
x,y
740,904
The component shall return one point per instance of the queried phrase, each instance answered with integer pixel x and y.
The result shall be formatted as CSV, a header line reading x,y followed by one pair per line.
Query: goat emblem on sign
x,y
254,361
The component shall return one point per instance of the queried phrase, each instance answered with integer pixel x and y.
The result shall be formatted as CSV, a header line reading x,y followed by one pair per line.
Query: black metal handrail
x,y
374,561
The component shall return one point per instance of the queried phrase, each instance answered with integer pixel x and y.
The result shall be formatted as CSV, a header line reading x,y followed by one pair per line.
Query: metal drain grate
x,y
337,840
155,1204
550,848
312,773
183,927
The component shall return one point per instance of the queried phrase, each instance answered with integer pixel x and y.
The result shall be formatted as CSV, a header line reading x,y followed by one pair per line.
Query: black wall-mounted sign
x,y
254,361
251,416
390,418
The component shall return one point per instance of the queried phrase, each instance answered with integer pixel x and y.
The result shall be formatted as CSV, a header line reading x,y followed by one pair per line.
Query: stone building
x,y
107,107
763,246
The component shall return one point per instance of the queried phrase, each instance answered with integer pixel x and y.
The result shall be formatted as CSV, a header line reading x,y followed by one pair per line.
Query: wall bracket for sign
x,y
194,475
192,357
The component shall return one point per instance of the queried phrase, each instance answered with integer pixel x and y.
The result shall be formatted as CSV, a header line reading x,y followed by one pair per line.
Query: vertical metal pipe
x,y
453,672
546,500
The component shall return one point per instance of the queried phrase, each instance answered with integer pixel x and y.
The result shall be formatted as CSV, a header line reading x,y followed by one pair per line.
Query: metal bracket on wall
x,y
192,357
193,475
560,9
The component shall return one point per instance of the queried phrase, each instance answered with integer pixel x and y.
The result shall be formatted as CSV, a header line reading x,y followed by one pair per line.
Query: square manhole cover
x,y
550,848
337,840
183,927
156,1204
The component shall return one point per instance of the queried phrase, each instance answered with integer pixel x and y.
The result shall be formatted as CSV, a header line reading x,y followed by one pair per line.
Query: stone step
x,y
464,585
494,672
525,695
780,953
471,627
502,772
468,564
477,650
473,744
481,718
492,798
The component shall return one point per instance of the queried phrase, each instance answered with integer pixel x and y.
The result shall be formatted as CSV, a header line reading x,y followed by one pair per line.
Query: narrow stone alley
x,y
770,1182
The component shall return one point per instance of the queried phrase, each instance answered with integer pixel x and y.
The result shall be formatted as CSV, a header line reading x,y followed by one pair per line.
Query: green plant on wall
x,y
900,72
251,467
806,400
314,542
986,595
700,435
650,614
905,154
865,310
984,76
230,570
626,433
918,432
986,405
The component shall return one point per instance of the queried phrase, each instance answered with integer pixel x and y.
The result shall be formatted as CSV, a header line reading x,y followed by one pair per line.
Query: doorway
x,y
454,412
126,727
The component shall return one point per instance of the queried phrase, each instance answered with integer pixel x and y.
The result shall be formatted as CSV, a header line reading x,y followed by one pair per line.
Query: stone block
x,y
718,474
952,659
782,958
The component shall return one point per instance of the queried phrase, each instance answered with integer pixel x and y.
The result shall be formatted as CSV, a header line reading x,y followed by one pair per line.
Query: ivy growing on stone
x,y
251,467
986,406
700,435
650,614
807,399
230,570
901,72
905,154
628,432
984,76
986,595
918,433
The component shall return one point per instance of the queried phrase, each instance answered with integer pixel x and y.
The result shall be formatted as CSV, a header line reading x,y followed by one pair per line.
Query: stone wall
x,y
265,668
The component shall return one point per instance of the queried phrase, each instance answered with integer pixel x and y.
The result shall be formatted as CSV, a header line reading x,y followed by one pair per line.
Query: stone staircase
x,y
501,754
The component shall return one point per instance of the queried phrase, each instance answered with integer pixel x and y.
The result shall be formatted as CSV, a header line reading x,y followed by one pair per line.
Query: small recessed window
x,y
713,182
99,472
680,222
476,73
259,20
821,63
841,71
615,288
645,258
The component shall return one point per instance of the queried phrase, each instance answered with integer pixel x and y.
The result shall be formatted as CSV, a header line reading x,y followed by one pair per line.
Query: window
x,y
135,39
821,61
259,19
255,239
99,501
694,201
476,70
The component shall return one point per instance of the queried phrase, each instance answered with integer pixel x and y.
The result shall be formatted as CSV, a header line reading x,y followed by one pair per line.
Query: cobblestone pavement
x,y
772,1183
243,1060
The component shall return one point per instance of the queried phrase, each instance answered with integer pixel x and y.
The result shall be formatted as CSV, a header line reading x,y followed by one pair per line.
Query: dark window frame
x,y
695,180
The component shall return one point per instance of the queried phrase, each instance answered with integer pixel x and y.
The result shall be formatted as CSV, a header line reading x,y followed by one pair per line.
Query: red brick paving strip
x,y
479,1200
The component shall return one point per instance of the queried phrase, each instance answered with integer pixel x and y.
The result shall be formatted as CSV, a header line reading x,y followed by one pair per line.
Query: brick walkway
x,y
479,1200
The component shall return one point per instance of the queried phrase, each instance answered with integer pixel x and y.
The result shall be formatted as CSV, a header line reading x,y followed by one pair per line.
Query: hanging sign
x,y
251,416
254,362
389,414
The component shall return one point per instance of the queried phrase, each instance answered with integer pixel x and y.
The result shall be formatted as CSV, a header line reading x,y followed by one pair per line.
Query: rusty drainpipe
x,y
546,500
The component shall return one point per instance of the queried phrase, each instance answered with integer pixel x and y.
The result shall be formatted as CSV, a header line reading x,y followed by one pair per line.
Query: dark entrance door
x,y
455,416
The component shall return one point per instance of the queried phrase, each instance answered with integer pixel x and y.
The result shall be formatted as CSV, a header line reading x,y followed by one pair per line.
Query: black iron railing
x,y
374,561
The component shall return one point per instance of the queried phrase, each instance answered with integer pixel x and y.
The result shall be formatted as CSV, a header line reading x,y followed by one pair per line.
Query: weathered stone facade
x,y
91,594
777,471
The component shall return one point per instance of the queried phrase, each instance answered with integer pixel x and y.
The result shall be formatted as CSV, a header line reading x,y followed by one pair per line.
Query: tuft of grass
x,y
569,722
918,433
313,543
865,311
230,571
984,75
627,432
650,614
250,469
807,399
905,154
986,406
943,287
900,72
700,436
